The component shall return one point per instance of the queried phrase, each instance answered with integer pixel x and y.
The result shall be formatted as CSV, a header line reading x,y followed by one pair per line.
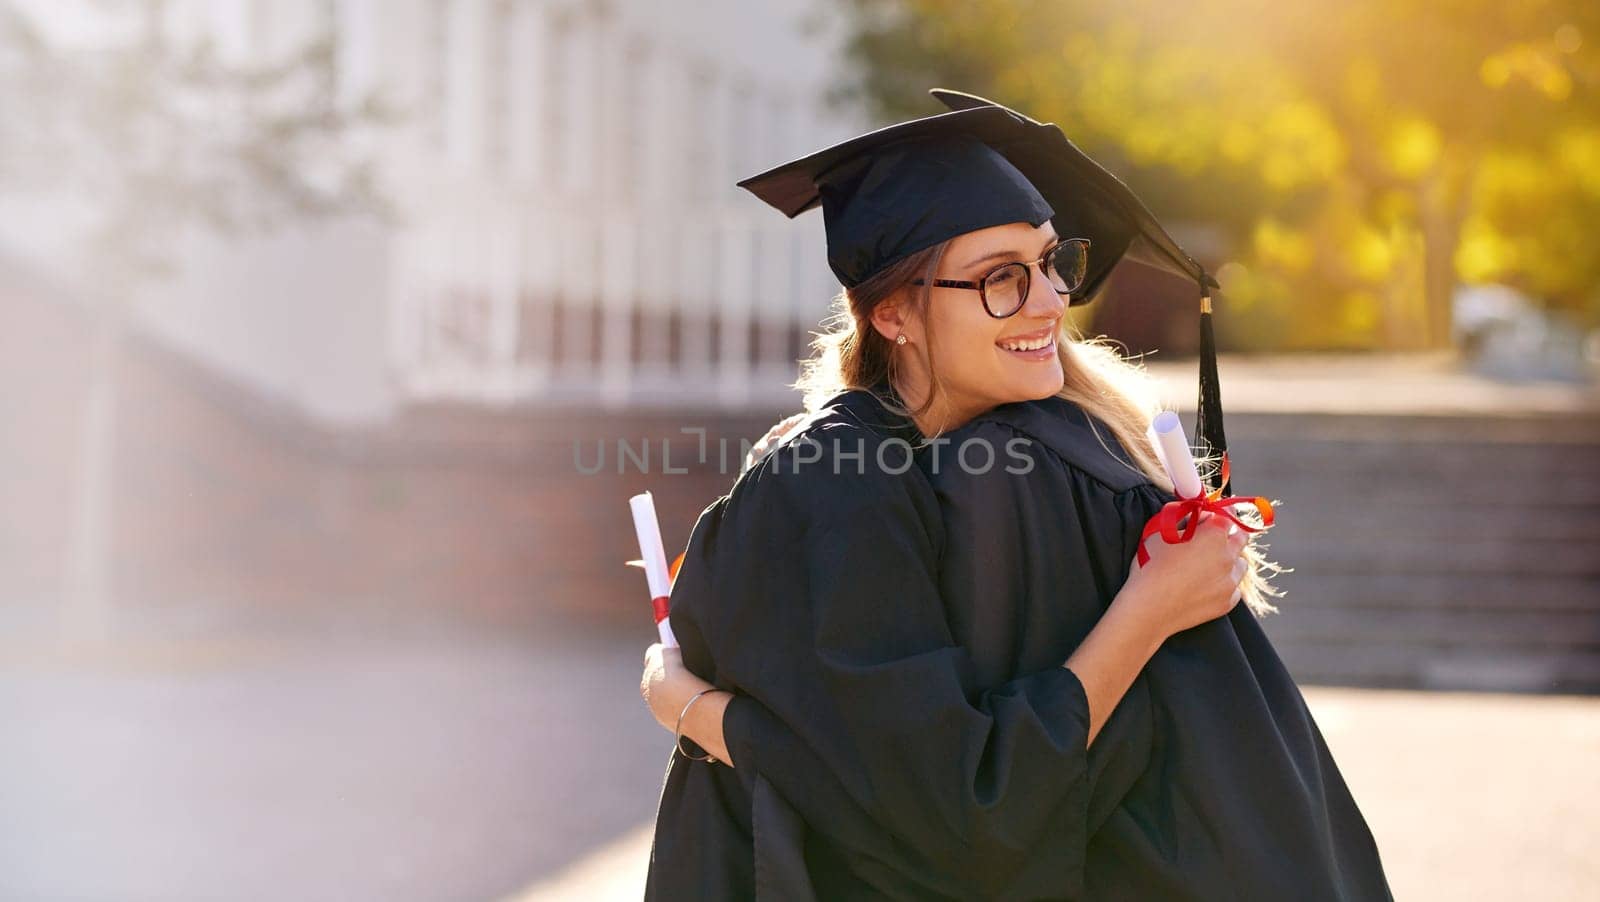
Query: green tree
x,y
1364,158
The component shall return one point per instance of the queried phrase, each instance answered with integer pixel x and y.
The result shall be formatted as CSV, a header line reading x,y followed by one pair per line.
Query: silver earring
x,y
901,339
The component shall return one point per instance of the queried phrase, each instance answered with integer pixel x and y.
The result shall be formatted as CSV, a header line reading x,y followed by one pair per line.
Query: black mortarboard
x,y
894,191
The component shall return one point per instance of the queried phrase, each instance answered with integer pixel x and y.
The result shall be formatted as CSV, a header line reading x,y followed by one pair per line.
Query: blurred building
x,y
569,229
356,414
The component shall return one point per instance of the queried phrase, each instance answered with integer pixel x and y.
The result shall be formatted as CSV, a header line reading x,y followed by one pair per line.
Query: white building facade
x,y
569,229
575,232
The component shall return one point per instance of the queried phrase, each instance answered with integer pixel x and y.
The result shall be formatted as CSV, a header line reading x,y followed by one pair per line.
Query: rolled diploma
x,y
1172,446
654,556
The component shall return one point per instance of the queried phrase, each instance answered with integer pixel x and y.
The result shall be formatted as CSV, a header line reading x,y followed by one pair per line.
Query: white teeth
x,y
1031,345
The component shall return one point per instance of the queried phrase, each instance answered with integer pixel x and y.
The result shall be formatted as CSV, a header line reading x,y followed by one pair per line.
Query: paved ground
x,y
1471,796
405,768
451,766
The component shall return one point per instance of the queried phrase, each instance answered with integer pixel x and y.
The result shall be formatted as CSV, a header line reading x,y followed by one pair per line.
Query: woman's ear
x,y
889,319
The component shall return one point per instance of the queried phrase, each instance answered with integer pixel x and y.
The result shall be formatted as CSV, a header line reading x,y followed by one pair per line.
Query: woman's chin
x,y
1044,382
1030,375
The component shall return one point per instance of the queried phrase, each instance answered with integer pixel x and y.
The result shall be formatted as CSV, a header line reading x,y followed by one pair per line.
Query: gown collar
x,y
1082,440
1064,427
867,406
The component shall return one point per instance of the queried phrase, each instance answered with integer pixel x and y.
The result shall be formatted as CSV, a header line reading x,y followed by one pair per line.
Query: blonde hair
x,y
850,354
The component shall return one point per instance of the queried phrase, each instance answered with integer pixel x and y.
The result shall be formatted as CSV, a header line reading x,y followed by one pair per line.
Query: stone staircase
x,y
1440,552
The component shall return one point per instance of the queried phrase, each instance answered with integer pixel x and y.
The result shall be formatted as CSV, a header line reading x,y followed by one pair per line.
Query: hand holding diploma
x,y
668,687
1172,446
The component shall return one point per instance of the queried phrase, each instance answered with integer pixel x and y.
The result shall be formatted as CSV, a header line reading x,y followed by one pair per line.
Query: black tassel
x,y
1208,415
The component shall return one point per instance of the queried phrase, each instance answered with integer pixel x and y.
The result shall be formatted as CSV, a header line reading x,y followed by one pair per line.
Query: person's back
x,y
726,832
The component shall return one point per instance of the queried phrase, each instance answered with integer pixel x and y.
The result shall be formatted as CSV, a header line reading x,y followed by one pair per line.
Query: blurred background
x,y
337,333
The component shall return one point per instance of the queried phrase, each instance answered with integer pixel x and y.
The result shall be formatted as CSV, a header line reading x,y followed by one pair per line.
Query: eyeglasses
x,y
1005,288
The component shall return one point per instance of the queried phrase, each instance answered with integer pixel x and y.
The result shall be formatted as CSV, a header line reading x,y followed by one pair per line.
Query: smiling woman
x,y
920,677
950,357
983,359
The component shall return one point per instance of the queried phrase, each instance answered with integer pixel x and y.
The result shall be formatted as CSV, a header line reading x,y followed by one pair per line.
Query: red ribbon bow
x,y
1166,522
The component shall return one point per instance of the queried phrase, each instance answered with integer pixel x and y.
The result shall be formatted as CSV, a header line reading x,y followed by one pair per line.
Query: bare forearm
x,y
703,724
1110,657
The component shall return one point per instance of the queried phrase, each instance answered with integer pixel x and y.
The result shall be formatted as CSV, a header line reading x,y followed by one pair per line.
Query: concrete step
x,y
1321,512
1486,628
1428,666
1246,430
1449,457
1534,593
1394,487
1425,554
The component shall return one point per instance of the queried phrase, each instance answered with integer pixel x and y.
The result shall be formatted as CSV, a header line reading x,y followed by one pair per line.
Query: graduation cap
x,y
900,189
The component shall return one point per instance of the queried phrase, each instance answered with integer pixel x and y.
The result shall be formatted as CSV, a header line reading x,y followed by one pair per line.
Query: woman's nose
x,y
1043,299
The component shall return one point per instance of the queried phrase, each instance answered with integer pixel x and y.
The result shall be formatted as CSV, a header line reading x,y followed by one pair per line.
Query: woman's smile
x,y
1031,346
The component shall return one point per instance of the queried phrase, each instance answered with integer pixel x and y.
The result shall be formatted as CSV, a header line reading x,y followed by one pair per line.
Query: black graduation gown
x,y
903,727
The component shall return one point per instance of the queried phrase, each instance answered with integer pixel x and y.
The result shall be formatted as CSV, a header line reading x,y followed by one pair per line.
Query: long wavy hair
x,y
850,354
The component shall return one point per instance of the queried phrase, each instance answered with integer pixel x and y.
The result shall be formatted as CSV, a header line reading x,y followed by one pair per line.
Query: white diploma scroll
x,y
654,557
1166,432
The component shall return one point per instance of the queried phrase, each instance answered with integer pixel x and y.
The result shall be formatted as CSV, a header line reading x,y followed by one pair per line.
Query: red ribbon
x,y
1166,522
659,604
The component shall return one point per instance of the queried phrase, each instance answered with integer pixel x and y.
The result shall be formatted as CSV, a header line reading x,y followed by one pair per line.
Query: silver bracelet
x,y
678,731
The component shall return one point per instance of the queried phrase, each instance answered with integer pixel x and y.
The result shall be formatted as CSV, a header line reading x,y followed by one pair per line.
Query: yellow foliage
x,y
1370,254
1363,83
1495,71
1577,149
1511,179
1568,38
1483,254
1301,146
1537,64
1411,146
1279,245
1359,314
1395,206
1239,141
1328,145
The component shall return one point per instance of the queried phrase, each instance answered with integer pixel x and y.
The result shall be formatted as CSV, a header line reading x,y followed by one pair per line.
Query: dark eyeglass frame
x,y
1027,278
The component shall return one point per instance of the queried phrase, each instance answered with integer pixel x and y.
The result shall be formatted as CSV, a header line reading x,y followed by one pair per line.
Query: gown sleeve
x,y
817,602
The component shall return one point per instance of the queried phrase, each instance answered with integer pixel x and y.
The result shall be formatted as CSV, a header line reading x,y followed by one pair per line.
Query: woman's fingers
x,y
773,436
661,657
651,669
661,666
1238,540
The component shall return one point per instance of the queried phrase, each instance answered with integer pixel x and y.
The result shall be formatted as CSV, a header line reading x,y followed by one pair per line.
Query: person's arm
x,y
667,686
1111,656
1106,663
